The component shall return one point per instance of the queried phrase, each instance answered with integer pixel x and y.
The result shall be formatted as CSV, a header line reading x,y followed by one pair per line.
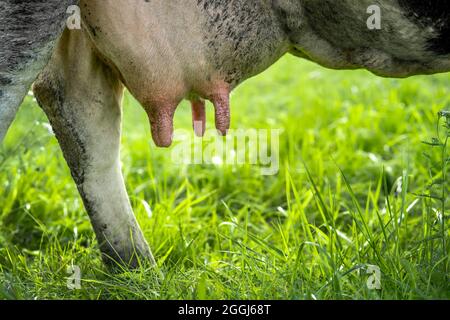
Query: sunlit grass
x,y
350,139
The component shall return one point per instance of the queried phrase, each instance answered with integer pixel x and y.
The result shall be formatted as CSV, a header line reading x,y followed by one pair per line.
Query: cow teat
x,y
221,102
161,116
198,117
161,122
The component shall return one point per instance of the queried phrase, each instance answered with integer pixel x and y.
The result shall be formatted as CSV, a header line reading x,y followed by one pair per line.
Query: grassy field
x,y
357,187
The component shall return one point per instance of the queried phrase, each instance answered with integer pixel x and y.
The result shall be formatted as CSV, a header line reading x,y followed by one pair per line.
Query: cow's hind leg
x,y
82,99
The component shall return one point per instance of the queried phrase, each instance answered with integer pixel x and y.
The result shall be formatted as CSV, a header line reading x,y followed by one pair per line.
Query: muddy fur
x,y
26,28
412,40
244,36
28,33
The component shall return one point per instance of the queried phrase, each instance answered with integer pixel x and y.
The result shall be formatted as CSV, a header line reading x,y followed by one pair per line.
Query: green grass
x,y
224,232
